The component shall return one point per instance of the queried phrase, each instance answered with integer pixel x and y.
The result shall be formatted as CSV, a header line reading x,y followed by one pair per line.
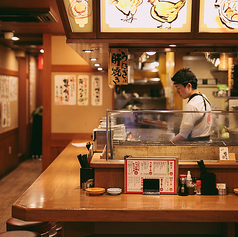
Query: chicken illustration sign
x,y
146,15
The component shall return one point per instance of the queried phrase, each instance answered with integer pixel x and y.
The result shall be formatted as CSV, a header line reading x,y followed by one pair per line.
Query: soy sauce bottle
x,y
183,189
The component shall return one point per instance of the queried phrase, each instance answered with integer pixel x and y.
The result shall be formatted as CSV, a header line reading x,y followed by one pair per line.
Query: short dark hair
x,y
185,76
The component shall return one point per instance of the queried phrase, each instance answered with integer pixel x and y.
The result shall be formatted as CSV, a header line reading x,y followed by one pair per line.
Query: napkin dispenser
x,y
208,181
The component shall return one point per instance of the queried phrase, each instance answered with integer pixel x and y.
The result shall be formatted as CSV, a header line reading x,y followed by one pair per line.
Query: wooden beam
x,y
46,101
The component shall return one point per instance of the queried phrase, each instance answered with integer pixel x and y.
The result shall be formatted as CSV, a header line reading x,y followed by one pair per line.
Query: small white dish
x,y
114,191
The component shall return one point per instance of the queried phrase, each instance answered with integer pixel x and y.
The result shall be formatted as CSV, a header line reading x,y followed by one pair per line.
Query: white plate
x,y
114,191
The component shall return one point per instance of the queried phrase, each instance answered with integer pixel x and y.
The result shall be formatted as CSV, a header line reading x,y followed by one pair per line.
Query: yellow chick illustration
x,y
127,7
165,12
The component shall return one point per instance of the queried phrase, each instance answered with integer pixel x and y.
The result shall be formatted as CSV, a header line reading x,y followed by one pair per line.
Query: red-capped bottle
x,y
183,189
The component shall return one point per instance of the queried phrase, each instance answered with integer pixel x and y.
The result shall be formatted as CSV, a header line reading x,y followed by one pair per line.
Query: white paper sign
x,y
83,89
65,90
96,90
224,155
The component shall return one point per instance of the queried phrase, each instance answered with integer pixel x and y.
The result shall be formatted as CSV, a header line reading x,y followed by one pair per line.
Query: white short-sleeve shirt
x,y
188,126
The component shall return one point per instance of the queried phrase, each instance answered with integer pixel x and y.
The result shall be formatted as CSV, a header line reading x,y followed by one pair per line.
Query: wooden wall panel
x,y
60,140
8,151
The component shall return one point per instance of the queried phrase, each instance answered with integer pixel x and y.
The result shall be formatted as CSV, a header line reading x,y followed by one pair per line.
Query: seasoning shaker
x,y
198,187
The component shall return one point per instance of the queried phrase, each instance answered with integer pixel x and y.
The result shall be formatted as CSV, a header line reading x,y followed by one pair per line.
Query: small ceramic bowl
x,y
114,191
95,191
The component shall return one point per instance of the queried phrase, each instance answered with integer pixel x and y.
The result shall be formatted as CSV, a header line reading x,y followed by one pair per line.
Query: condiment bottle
x,y
189,180
183,189
198,187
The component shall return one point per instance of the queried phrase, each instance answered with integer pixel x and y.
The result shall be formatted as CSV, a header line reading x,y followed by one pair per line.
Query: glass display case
x,y
149,133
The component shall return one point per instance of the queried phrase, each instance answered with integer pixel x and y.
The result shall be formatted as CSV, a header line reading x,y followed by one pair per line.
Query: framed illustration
x,y
80,15
146,16
218,16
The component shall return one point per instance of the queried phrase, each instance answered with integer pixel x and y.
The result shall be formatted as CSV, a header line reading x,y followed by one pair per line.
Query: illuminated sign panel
x,y
146,16
80,15
218,16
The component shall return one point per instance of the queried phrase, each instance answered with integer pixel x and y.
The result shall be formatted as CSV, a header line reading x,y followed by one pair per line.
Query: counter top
x,y
56,196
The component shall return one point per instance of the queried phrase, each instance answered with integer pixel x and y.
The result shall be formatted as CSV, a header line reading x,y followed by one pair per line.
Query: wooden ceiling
x,y
30,33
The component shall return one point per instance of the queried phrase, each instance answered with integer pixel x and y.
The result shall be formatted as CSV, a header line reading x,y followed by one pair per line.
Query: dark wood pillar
x,y
46,101
22,112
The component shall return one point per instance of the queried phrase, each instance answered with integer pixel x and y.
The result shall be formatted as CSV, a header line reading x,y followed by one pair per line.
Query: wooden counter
x,y
56,196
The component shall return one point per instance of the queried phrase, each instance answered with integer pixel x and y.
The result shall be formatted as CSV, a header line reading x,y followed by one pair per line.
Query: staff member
x,y
194,126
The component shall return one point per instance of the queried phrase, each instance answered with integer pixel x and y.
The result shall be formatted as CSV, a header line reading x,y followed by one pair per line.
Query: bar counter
x,y
56,196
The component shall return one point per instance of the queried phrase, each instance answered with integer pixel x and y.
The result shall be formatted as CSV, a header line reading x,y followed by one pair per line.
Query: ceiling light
x,y
100,68
42,51
96,64
15,38
154,64
151,53
172,45
87,51
93,59
217,62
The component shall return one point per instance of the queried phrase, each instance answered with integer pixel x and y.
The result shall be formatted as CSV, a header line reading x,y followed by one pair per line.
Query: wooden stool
x,y
35,226
59,229
19,233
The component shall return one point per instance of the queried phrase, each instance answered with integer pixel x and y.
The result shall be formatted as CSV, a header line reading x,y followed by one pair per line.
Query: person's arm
x,y
178,137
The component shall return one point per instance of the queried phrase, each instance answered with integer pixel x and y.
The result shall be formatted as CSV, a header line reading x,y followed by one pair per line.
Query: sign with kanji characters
x,y
65,89
118,67
96,90
83,89
163,168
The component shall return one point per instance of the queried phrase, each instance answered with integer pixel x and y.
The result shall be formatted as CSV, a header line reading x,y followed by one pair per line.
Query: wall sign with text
x,y
96,91
118,67
83,89
65,89
146,16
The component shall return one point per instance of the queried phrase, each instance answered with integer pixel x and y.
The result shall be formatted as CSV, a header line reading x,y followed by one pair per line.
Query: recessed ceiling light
x,y
96,64
100,68
93,59
42,51
88,51
151,53
15,38
172,45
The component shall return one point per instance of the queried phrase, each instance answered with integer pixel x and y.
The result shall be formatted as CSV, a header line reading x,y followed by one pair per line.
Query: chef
x,y
194,126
